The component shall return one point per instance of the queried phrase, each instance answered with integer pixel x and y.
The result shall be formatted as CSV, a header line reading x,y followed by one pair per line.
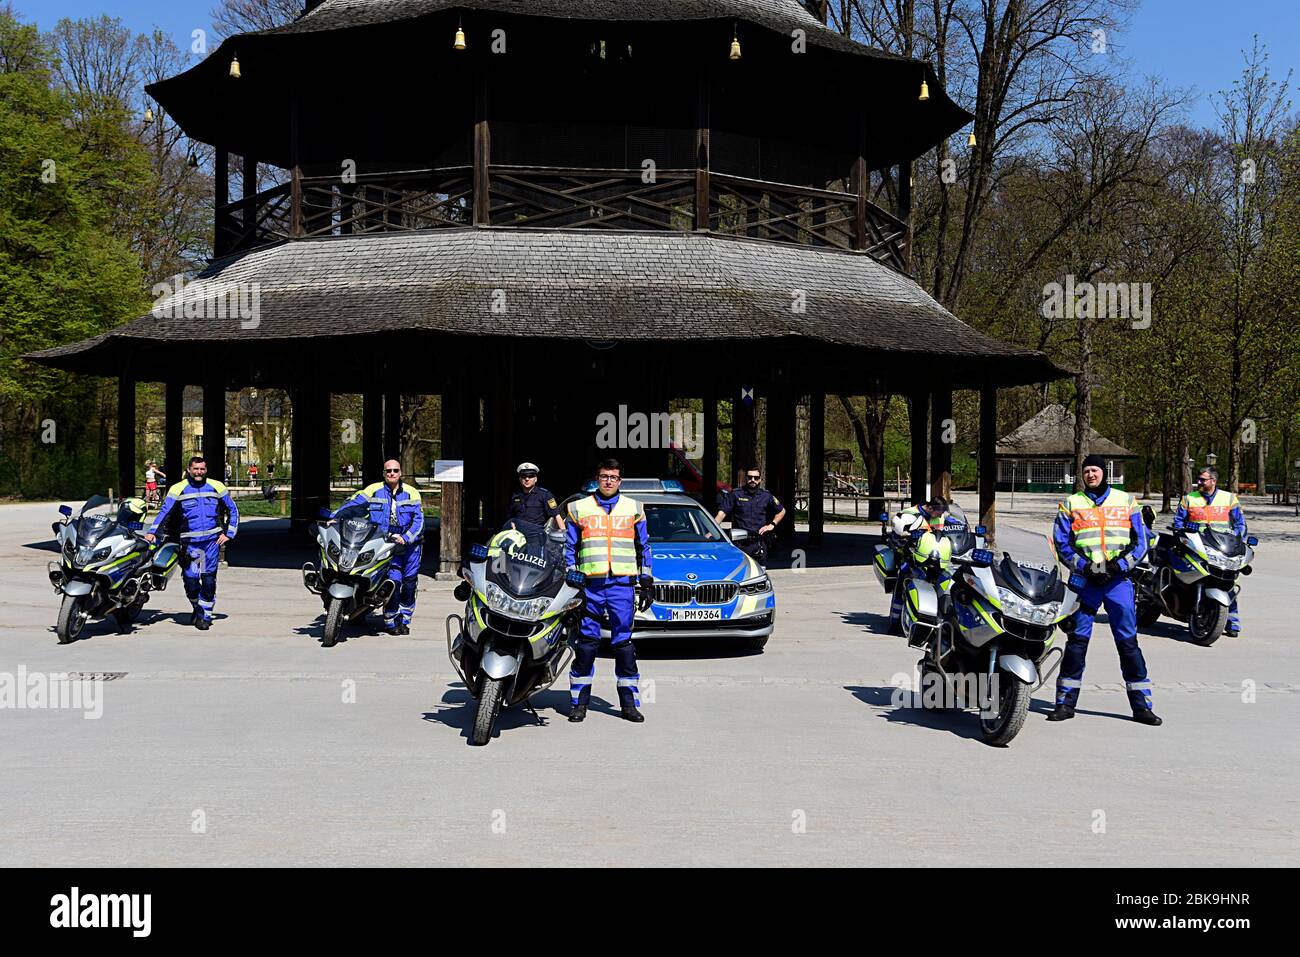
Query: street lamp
x,y
1211,459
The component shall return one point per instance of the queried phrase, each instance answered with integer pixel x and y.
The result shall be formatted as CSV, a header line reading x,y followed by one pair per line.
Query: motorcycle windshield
x,y
957,530
526,560
354,526
96,521
1224,541
1038,585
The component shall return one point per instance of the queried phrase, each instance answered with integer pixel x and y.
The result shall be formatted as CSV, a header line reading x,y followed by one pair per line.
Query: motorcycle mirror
x,y
65,511
1252,540
324,513
884,516
462,591
1148,515
478,553
55,526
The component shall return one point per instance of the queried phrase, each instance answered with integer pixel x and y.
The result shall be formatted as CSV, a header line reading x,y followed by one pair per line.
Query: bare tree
x,y
230,17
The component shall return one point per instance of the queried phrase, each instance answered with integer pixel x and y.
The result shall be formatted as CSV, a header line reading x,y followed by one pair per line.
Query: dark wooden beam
x,y
941,435
988,465
295,166
392,424
703,161
214,418
482,148
918,415
372,433
816,466
126,470
173,431
709,467
221,200
905,210
744,431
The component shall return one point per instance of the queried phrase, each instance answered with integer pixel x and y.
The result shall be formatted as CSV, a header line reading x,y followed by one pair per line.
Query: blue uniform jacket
x,y
573,531
402,513
1063,538
200,507
750,511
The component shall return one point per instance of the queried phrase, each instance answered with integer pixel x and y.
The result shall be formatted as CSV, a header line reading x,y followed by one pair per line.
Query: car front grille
x,y
704,593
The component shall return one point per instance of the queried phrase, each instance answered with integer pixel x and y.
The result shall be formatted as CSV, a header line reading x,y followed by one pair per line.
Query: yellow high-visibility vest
x,y
607,540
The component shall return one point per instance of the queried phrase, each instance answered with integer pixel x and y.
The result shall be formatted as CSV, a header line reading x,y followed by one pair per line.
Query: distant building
x,y
1039,455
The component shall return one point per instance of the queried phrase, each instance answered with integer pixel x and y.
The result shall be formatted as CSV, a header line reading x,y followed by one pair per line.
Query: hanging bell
x,y
234,67
148,115
194,159
970,140
735,47
925,91
460,37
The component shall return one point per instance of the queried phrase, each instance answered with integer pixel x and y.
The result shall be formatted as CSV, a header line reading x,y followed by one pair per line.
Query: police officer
x,y
532,503
202,503
397,506
754,509
1100,535
924,517
606,540
1217,509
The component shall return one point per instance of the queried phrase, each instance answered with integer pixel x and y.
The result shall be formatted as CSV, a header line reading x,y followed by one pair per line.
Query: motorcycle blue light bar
x,y
982,556
478,553
884,516
590,486
1252,541
672,485
575,578
981,530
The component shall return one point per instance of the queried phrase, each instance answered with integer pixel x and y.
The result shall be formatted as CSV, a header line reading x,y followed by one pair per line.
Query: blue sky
x,y
1189,43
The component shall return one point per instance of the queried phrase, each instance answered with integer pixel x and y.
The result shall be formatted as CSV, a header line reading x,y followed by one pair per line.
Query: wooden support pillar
x,y
214,419
392,424
744,432
918,416
450,539
173,432
703,124
816,466
126,470
372,434
905,211
311,448
781,470
221,200
501,458
988,465
709,466
942,434
482,149
295,166
248,216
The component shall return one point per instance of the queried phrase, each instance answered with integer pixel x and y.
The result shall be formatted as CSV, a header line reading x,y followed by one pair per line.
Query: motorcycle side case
x,y
165,558
883,564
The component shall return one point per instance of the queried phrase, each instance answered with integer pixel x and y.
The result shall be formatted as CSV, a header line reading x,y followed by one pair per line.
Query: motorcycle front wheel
x,y
71,620
333,624
1013,707
1148,613
489,706
1207,621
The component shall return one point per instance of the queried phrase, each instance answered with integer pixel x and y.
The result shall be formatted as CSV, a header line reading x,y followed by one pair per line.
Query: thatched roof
x,y
1050,435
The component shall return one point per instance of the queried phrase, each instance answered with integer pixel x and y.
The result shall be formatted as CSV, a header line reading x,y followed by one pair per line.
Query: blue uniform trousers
x,y
404,571
201,556
611,598
1117,598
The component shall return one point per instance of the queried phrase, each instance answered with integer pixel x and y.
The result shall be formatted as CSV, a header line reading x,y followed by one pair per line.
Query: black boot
x,y
202,624
630,713
577,713
1147,716
1063,712
403,629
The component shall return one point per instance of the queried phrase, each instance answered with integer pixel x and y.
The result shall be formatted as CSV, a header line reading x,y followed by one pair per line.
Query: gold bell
x,y
234,67
970,140
735,46
460,38
148,115
925,91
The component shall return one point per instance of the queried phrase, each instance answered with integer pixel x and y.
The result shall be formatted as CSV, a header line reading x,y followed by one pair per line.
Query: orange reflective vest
x,y
1101,532
1216,511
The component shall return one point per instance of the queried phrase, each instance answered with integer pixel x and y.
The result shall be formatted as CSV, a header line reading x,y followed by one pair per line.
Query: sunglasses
x,y
392,471
752,478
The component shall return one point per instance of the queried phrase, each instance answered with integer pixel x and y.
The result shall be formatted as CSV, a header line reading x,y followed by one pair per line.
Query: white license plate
x,y
697,614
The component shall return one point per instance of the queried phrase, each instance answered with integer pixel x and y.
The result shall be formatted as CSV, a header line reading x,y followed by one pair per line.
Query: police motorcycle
x,y
989,625
352,579
521,609
1191,575
106,567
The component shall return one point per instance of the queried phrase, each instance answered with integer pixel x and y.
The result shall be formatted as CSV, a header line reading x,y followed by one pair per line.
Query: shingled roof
x,y
568,284
1050,435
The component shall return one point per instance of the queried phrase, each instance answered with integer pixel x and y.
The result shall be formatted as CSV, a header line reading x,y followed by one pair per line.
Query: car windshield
x,y
527,560
354,525
680,523
98,518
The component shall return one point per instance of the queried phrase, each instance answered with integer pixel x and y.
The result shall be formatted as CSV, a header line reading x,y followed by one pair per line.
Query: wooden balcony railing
x,y
545,197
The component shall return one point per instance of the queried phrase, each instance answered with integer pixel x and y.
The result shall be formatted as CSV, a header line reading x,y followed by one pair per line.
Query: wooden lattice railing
x,y
545,197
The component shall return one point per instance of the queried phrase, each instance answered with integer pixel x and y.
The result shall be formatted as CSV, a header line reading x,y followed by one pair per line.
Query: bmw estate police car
x,y
705,587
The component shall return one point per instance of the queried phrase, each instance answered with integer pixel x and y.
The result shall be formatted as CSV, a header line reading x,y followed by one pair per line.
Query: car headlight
x,y
529,610
756,586
1014,606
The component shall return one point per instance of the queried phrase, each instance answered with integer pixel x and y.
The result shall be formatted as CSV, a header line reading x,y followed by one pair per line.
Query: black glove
x,y
1099,573
647,595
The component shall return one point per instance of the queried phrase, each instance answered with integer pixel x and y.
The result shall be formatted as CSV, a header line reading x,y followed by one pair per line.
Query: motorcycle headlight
x,y
349,559
528,610
332,550
1228,564
366,557
1014,606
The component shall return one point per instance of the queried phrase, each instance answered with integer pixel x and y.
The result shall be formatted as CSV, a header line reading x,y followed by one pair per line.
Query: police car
x,y
705,587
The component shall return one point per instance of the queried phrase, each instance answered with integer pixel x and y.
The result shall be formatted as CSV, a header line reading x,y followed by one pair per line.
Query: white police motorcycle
x,y
520,611
353,576
106,567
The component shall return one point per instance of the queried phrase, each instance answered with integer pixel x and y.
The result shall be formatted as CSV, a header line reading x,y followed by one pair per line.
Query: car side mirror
x,y
738,534
65,511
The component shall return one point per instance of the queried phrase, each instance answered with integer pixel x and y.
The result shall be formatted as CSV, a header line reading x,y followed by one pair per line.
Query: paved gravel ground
x,y
242,746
